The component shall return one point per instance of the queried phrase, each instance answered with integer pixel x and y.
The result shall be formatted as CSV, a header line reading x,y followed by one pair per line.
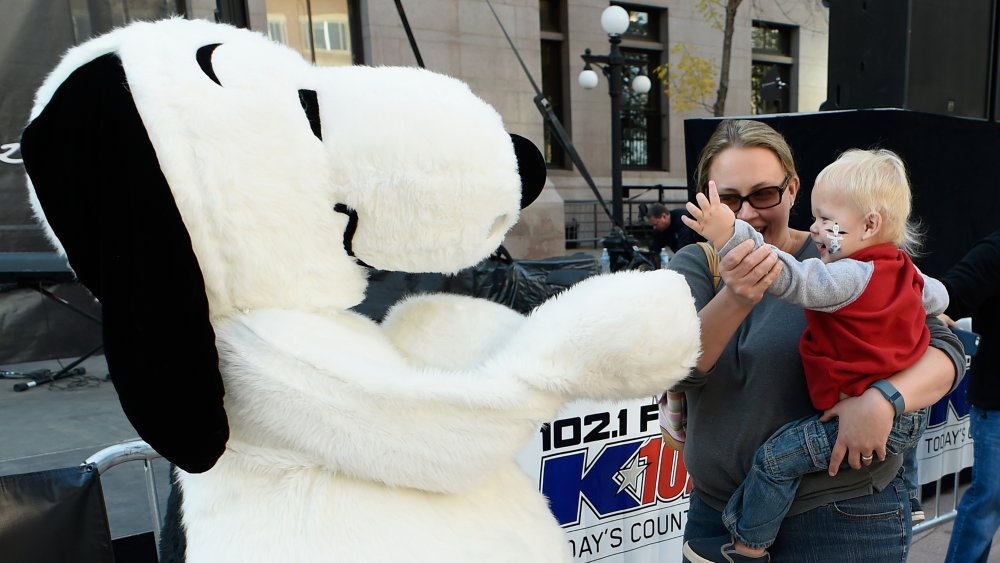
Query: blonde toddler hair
x,y
876,181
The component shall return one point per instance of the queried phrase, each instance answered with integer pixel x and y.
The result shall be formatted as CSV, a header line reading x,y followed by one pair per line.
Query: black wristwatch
x,y
891,394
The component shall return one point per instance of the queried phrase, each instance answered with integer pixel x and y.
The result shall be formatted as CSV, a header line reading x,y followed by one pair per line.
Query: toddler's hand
x,y
711,218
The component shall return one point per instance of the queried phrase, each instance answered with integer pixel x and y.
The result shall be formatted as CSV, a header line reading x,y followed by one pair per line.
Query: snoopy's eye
x,y
310,105
204,57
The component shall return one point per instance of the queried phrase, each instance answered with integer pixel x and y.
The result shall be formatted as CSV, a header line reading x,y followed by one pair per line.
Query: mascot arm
x,y
449,331
592,341
334,392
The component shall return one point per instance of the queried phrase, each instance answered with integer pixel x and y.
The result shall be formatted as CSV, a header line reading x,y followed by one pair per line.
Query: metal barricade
x,y
940,518
970,341
587,223
134,450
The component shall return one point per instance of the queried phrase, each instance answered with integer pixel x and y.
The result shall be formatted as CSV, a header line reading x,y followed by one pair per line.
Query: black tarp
x,y
35,327
54,516
521,285
525,284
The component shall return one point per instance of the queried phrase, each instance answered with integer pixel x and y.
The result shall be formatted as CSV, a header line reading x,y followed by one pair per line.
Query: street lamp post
x,y
614,21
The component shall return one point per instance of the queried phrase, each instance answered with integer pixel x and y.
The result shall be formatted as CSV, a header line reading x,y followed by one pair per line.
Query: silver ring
x,y
867,457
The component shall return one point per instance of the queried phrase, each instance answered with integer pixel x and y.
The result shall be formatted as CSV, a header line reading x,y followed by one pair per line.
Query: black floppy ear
x,y
531,167
117,220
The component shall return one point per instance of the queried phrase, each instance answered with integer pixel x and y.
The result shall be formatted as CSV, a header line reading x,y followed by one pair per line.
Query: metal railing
x,y
137,450
587,223
134,450
940,518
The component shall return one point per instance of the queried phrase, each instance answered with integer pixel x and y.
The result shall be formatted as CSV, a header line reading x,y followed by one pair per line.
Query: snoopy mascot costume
x,y
227,232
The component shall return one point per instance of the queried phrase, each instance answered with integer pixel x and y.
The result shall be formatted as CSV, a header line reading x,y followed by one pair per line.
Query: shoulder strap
x,y
713,262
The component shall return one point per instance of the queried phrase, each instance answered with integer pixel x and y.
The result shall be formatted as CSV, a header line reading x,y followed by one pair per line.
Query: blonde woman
x,y
750,379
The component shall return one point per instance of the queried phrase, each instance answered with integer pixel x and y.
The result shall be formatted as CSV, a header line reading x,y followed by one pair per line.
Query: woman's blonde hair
x,y
742,133
876,181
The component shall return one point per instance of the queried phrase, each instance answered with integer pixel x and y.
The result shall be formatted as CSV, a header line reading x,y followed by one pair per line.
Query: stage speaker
x,y
952,163
936,56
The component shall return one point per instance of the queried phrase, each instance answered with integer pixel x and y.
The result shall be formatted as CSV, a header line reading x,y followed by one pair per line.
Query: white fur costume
x,y
347,440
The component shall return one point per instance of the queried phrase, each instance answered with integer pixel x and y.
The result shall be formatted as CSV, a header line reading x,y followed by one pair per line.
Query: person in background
x,y
669,231
974,288
749,380
866,307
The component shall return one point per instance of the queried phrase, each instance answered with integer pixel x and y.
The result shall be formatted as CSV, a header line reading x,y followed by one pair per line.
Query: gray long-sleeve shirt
x,y
819,286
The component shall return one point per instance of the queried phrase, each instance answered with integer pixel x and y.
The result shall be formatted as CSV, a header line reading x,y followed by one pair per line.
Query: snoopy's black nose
x,y
531,167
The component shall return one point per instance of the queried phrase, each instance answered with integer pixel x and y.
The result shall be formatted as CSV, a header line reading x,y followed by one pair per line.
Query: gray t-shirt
x,y
757,386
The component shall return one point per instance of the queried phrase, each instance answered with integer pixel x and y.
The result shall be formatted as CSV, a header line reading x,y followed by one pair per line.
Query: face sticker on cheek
x,y
835,235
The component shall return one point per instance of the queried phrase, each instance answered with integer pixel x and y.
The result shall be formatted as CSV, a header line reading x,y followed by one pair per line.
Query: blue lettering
x,y
939,412
565,479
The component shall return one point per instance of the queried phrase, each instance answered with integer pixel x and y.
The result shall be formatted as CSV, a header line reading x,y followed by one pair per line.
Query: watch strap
x,y
891,394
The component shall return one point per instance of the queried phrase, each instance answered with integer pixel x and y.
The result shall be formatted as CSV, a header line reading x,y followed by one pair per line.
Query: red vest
x,y
883,331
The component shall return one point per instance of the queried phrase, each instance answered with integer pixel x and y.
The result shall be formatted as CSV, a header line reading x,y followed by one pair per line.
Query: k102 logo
x,y
622,477
954,401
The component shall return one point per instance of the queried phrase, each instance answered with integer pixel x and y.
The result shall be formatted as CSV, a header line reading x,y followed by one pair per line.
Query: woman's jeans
x,y
872,528
979,511
757,508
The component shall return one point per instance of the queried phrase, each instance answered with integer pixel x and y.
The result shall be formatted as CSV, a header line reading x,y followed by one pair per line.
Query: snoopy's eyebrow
x,y
204,57
310,105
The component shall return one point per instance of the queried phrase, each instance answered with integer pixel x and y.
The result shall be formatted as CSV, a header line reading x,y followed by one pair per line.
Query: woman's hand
x,y
748,272
865,423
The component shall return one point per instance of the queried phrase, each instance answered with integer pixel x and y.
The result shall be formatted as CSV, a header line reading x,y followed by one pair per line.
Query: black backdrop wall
x,y
33,36
937,56
954,166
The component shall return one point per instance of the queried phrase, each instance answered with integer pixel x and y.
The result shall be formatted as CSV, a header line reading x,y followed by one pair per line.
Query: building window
x,y
330,32
552,16
771,73
643,25
642,114
325,33
277,28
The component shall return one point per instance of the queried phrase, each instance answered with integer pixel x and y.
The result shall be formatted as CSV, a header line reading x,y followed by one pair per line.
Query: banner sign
x,y
946,446
621,495
617,491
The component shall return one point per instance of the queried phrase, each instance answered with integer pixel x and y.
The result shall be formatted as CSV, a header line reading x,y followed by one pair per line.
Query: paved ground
x,y
931,546
62,423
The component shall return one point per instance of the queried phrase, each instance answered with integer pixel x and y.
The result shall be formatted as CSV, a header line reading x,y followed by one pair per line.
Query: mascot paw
x,y
613,336
448,331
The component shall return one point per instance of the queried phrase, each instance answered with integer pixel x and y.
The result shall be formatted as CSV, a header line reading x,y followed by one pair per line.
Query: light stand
x,y
614,21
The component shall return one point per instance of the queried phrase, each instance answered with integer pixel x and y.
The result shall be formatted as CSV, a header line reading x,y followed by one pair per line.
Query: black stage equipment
x,y
922,55
35,270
